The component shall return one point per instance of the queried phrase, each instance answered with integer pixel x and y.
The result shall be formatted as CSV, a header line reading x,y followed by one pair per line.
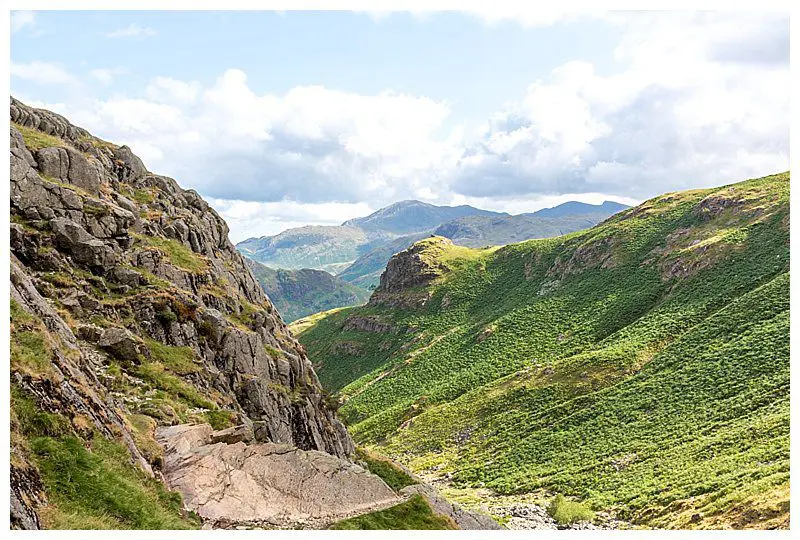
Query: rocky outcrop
x,y
127,270
367,324
408,272
230,482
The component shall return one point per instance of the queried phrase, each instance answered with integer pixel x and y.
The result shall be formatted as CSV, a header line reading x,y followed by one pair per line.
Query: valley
x,y
289,265
640,367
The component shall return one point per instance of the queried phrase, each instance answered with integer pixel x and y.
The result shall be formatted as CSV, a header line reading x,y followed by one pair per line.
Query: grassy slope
x,y
298,293
577,365
89,480
414,514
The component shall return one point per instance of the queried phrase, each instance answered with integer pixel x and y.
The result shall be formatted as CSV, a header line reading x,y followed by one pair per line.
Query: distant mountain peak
x,y
579,208
409,216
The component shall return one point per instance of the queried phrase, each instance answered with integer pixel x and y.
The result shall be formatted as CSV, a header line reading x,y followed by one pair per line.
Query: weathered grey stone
x,y
82,173
126,203
53,162
274,484
122,344
232,435
127,276
130,166
84,248
90,333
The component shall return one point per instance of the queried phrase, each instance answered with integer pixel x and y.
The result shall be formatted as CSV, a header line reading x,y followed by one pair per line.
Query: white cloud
x,y
696,100
165,89
22,19
132,30
311,144
250,218
43,73
106,76
694,105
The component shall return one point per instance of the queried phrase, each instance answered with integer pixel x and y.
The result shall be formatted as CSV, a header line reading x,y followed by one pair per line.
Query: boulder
x,y
121,343
82,173
276,485
232,435
129,167
84,248
53,162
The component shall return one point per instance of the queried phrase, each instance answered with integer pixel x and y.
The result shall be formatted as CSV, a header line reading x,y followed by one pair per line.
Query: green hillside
x,y
641,366
297,293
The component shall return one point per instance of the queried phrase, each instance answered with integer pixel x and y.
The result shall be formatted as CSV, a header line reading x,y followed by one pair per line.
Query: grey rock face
x,y
367,324
402,283
129,166
267,484
122,344
130,255
84,248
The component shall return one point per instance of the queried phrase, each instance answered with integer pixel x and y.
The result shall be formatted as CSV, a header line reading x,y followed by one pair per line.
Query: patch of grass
x,y
61,280
156,374
179,360
144,436
220,418
142,196
31,421
99,143
414,515
31,350
567,512
36,140
97,487
273,352
178,254
301,325
390,473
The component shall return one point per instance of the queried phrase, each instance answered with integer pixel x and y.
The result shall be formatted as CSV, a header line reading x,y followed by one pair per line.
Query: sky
x,y
282,119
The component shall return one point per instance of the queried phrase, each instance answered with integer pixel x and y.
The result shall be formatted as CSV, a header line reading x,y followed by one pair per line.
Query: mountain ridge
x,y
358,254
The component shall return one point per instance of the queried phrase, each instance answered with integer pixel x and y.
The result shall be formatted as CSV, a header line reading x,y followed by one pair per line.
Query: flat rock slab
x,y
268,484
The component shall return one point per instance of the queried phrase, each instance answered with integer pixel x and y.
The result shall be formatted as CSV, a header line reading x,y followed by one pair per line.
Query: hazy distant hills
x,y
478,231
575,208
414,216
297,293
330,248
358,249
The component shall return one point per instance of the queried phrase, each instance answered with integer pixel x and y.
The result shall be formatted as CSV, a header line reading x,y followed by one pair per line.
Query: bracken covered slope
x,y
130,309
641,366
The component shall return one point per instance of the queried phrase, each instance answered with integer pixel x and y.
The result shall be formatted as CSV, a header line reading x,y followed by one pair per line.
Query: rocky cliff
x,y
132,309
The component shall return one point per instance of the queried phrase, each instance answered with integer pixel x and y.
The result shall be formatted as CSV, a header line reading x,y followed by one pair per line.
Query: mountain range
x,y
635,374
358,249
